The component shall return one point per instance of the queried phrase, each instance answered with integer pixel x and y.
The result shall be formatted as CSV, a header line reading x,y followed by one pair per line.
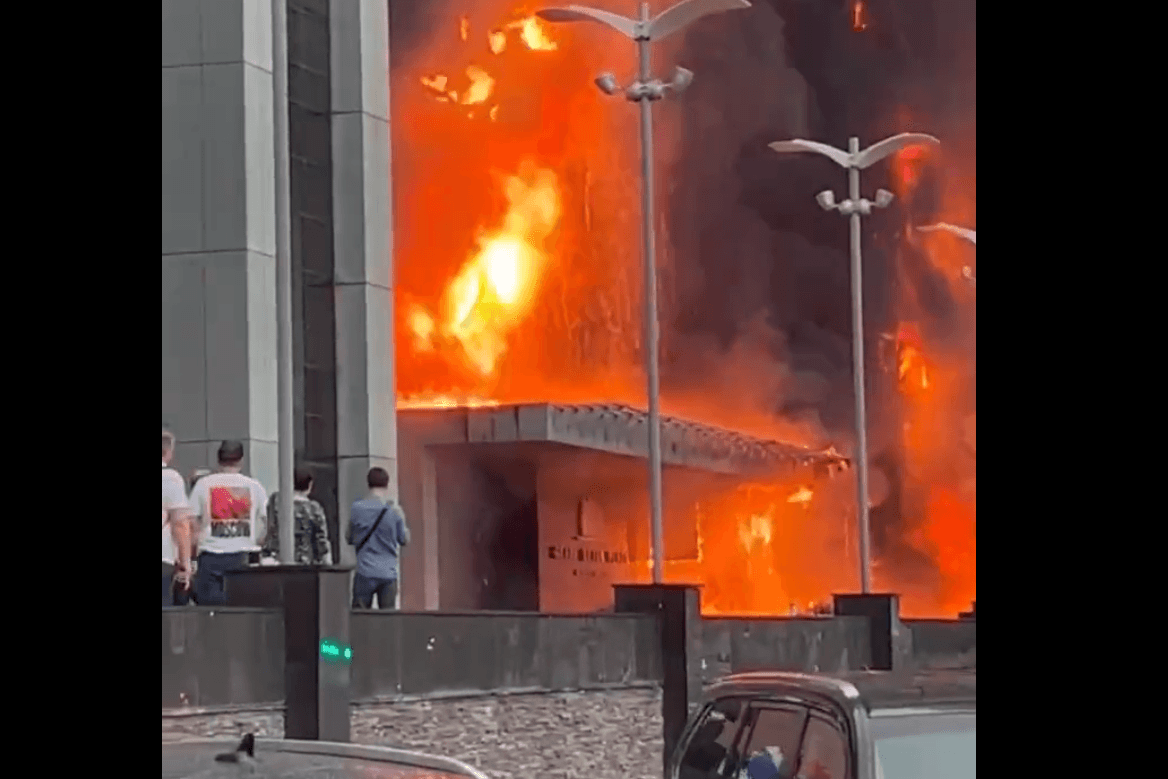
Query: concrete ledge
x,y
369,754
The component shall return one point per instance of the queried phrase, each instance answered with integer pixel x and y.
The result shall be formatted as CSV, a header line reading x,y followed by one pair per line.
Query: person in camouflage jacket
x,y
311,533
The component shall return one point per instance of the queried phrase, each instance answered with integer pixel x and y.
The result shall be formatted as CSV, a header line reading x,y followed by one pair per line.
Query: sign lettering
x,y
582,555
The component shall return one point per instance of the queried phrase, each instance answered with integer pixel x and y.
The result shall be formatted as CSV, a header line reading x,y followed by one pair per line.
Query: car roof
x,y
874,690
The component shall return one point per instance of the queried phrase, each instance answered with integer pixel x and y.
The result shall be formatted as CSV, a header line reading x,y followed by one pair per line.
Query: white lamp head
x,y
884,198
682,78
607,83
826,199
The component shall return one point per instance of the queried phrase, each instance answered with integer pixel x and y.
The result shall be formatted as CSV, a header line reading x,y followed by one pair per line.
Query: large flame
x,y
936,377
495,289
517,281
770,548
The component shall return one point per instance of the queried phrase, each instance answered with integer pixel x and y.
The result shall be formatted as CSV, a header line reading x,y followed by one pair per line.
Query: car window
x,y
706,755
824,752
772,740
926,746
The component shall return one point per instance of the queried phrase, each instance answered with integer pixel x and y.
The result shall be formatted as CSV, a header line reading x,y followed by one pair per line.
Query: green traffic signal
x,y
334,650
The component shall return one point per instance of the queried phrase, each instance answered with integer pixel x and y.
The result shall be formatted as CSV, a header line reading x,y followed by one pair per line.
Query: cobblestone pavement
x,y
612,734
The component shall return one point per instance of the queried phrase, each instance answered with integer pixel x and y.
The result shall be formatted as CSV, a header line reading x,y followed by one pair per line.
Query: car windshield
x,y
926,746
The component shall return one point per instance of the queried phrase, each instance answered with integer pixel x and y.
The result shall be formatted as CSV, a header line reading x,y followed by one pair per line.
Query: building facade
x,y
533,507
218,237
544,506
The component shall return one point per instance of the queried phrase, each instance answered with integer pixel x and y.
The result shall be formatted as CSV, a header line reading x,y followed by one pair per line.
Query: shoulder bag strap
x,y
372,530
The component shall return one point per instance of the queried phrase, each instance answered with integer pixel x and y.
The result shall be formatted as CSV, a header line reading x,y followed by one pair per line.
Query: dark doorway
x,y
515,558
509,537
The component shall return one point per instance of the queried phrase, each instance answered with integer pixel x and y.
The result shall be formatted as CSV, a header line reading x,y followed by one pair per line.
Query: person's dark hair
x,y
231,453
378,478
302,479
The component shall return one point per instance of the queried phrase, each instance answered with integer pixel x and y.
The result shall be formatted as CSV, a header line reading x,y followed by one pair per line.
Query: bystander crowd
x,y
377,528
230,510
311,526
176,534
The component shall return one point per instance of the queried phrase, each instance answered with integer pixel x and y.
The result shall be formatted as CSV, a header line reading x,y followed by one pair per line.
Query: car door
x,y
824,752
708,744
769,742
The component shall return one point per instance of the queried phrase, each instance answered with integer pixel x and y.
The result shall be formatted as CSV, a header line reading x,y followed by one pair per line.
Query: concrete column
x,y
679,611
218,232
363,245
891,641
317,650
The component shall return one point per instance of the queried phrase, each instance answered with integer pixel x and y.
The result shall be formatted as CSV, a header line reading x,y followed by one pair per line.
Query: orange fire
x,y
517,280
495,289
859,20
908,165
766,546
940,484
479,84
445,401
939,492
533,34
913,369
803,495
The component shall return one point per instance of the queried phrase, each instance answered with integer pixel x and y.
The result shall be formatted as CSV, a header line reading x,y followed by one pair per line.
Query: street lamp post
x,y
645,90
960,232
854,207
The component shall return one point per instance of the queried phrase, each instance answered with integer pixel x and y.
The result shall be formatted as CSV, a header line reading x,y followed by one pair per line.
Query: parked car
x,y
863,725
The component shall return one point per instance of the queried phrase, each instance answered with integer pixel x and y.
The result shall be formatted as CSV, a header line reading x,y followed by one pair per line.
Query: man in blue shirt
x,y
377,527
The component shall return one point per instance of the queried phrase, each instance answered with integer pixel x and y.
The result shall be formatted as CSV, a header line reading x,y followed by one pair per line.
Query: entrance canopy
x,y
617,430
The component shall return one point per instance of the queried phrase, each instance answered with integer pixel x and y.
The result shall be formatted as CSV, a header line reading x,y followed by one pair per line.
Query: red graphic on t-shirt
x,y
230,504
230,512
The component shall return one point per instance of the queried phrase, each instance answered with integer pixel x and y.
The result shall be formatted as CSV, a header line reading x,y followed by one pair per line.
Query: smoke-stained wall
x,y
752,251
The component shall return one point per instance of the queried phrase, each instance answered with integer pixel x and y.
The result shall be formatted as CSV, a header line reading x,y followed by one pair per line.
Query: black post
x,y
890,641
317,651
678,607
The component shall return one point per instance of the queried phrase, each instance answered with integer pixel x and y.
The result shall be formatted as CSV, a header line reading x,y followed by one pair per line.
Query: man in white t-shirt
x,y
176,547
230,511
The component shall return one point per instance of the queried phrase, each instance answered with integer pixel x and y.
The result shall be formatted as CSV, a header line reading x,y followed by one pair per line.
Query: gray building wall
x,y
218,238
313,291
363,247
218,231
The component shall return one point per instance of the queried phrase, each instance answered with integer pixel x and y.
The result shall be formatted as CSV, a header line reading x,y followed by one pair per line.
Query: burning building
x,y
495,273
544,506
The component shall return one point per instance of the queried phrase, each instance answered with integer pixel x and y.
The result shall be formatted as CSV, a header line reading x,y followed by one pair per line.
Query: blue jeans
x,y
211,575
365,588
